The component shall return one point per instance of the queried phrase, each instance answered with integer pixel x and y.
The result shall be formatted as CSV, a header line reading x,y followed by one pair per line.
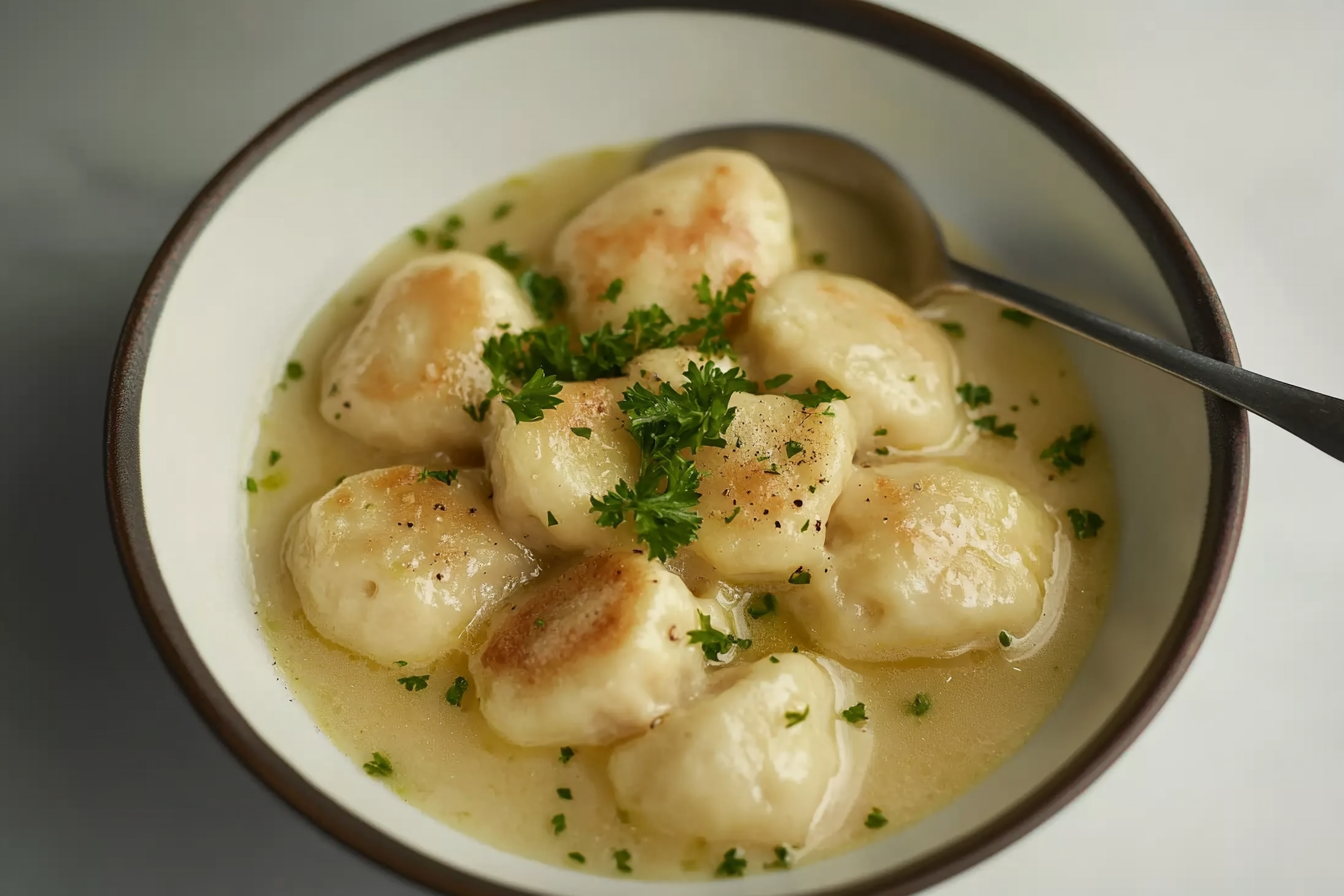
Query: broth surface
x,y
451,765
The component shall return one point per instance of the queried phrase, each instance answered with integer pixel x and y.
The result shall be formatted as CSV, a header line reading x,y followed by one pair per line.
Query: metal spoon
x,y
838,162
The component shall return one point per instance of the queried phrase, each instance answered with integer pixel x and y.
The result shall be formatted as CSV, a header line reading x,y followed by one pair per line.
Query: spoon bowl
x,y
926,267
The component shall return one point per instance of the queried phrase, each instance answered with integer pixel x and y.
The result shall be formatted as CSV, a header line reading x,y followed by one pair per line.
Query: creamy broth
x,y
449,763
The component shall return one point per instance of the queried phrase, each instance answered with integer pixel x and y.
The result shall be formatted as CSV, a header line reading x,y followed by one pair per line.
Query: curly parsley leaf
x,y
1086,524
378,766
566,754
855,714
540,393
821,394
776,381
499,253
781,861
613,291
447,477
974,396
732,865
622,857
991,425
414,682
546,293
457,691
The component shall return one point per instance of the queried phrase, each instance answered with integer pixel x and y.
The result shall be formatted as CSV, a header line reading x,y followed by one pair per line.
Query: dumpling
x,y
926,560
544,471
898,369
712,212
393,564
765,498
593,655
764,760
660,365
410,368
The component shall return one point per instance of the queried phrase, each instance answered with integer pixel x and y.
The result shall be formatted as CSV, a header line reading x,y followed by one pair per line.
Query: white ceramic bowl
x,y
302,206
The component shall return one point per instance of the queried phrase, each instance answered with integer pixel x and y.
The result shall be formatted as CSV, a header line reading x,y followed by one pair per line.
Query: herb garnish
x,y
818,259
800,577
921,704
566,754
792,448
823,393
991,425
1017,317
420,235
250,484
502,210
953,329
773,658
577,857
582,432
875,819
781,858
855,714
414,682
273,459
558,823
794,718
536,395
712,641
622,857
447,477
732,516
564,793
546,293
776,381
477,411
613,291
732,865
1085,523
880,432
974,395
884,451
499,253
1005,639
294,371
378,767
399,663
456,692
551,520
1066,452
764,608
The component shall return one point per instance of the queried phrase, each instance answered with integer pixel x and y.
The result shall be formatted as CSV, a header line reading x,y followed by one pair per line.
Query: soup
x,y
753,580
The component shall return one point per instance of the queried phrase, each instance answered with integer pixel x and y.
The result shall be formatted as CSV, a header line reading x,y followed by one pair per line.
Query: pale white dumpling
x,y
545,473
598,653
668,365
713,212
406,374
766,496
926,560
394,565
897,368
760,761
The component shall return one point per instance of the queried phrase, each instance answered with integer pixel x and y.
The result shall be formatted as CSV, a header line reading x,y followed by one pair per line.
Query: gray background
x,y
113,114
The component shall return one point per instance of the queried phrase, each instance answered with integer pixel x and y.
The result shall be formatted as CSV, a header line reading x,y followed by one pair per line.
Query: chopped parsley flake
x,y
1085,523
414,682
818,259
805,526
582,432
622,857
250,484
273,459
773,470
577,857
732,516
764,608
445,241
821,394
774,659
1066,452
991,425
499,253
502,211
884,451
812,488
613,291
558,823
457,691
954,329
974,395
551,520
880,432
921,704
566,754
776,381
378,766
447,477
794,718
564,793
732,865
293,371
540,623
782,859
454,222
1017,317
875,819
800,577
1005,639
1033,399
792,448
855,714
399,663
477,411
712,641
420,235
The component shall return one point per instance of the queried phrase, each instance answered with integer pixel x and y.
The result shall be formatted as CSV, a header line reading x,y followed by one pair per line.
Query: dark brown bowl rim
x,y
1146,213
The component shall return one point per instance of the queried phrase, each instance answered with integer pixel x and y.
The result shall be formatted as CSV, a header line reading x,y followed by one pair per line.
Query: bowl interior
x,y
337,185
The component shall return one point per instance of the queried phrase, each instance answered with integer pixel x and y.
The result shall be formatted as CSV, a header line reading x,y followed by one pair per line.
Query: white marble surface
x,y
111,115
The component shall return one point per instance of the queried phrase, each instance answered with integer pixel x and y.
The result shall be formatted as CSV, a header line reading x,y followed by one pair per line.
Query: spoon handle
x,y
1315,418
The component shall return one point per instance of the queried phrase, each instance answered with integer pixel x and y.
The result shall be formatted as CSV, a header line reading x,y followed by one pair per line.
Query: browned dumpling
x,y
412,366
394,564
714,212
595,654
